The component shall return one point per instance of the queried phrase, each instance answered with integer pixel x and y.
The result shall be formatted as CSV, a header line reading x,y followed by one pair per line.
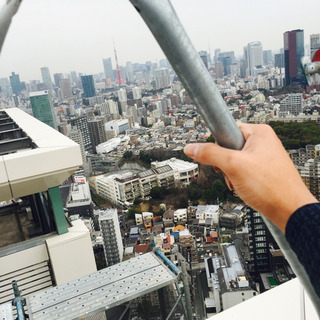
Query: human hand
x,y
262,173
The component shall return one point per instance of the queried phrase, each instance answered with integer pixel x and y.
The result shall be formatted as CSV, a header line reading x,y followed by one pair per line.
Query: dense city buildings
x,y
133,191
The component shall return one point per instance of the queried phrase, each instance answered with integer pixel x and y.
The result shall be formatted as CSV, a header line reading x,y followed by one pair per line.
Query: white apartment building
x,y
184,172
119,125
138,218
180,215
111,235
292,104
147,215
136,92
208,212
122,189
122,95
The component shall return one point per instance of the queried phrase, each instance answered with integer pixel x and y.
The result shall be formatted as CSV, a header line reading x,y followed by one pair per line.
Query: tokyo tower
x,y
119,79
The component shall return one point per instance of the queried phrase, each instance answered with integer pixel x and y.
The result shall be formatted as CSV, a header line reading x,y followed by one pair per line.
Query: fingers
x,y
209,153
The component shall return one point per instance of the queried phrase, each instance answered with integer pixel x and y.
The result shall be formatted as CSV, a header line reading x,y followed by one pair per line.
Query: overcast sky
x,y
67,35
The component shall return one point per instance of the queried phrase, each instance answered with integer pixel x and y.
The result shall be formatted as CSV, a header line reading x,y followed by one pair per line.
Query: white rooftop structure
x,y
175,164
37,146
108,146
38,93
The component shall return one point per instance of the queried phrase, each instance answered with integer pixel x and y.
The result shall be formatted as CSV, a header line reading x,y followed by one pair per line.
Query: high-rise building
x,y
219,69
279,60
73,77
46,78
107,66
122,95
82,125
41,107
111,235
204,57
65,87
254,56
293,44
136,92
162,78
267,57
97,131
88,86
314,43
227,58
57,77
130,74
216,54
15,83
259,240
75,135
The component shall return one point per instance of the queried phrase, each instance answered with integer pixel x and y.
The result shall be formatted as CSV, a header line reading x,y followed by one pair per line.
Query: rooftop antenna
x,y
119,79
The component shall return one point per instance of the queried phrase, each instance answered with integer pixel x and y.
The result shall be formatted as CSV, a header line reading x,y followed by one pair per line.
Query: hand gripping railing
x,y
163,22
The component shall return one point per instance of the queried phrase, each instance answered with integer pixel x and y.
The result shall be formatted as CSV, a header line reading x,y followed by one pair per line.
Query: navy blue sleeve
x,y
303,235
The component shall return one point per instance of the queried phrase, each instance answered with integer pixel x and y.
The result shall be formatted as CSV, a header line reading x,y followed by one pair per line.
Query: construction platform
x,y
98,291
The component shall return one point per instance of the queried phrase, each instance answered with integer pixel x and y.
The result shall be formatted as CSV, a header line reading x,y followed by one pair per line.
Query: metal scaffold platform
x,y
101,290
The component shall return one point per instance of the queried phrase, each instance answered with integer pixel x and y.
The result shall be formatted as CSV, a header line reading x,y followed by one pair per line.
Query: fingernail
x,y
191,150
229,185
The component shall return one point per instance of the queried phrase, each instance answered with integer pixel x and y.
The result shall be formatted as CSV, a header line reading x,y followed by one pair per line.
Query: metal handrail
x,y
162,20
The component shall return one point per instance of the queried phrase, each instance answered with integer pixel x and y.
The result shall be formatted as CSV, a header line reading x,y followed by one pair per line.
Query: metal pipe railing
x,y
6,14
160,17
164,24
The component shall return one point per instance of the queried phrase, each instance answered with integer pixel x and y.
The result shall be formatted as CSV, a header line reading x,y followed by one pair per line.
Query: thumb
x,y
209,153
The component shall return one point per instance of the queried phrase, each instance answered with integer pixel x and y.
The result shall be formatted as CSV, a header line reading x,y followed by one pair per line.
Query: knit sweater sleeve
x,y
303,235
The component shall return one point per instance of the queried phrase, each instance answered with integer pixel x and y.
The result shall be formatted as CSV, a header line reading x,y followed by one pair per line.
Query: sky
x,y
67,35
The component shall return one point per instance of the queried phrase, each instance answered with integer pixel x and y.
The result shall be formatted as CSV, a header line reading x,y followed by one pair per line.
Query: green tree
x,y
127,155
183,203
158,192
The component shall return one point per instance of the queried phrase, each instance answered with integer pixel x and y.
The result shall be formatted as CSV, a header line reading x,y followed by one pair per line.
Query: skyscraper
x,y
293,44
279,60
130,71
107,66
314,43
46,78
204,57
267,57
227,58
88,86
57,77
15,83
254,56
41,107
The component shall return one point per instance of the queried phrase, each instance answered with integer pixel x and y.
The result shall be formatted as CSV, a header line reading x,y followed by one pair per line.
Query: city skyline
x,y
79,41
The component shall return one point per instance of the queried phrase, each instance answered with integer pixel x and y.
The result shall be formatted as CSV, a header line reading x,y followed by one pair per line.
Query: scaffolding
x,y
102,290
